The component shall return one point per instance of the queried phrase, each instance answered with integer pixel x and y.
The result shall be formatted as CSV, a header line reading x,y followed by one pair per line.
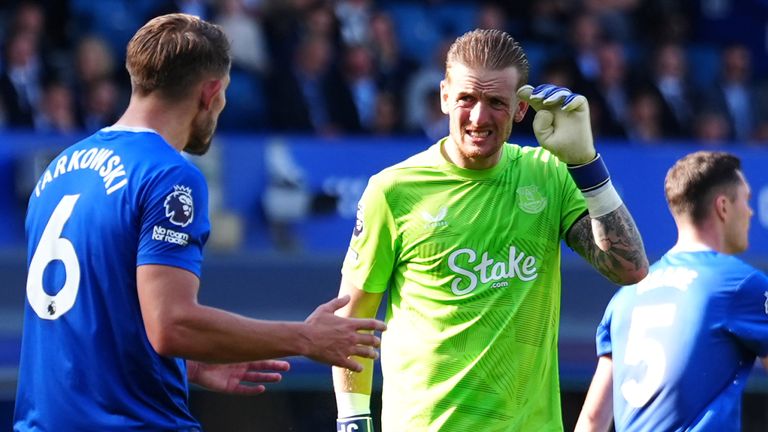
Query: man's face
x,y
737,224
204,124
482,106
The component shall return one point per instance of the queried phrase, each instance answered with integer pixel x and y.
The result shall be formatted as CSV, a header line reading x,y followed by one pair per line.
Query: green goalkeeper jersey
x,y
471,259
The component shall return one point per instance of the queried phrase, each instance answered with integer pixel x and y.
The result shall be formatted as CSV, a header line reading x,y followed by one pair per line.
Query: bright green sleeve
x,y
573,204
371,255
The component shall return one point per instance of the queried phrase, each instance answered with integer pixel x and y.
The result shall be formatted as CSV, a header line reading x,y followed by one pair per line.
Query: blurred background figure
x,y
354,18
669,78
711,128
244,29
359,79
102,104
582,45
310,97
57,110
734,93
423,85
608,91
22,79
644,121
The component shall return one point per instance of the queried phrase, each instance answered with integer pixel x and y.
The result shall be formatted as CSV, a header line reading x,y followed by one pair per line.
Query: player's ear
x,y
522,108
210,89
721,206
444,96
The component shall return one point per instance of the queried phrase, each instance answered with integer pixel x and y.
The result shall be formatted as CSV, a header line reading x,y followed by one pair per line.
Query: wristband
x,y
591,175
352,404
602,200
355,424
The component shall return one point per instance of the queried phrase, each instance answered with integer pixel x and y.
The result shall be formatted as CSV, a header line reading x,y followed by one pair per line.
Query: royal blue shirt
x,y
684,341
119,199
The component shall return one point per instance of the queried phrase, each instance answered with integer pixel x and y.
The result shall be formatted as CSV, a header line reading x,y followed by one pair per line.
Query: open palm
x,y
237,378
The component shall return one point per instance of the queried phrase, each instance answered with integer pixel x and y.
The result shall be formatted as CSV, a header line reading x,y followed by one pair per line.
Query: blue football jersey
x,y
684,341
119,199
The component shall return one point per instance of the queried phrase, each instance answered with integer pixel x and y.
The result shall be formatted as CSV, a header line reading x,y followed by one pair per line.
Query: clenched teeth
x,y
479,134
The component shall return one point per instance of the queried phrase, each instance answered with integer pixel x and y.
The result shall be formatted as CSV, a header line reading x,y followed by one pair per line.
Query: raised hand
x,y
562,123
236,378
333,339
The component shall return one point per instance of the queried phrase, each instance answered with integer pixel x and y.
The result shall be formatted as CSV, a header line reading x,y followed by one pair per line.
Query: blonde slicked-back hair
x,y
489,49
173,52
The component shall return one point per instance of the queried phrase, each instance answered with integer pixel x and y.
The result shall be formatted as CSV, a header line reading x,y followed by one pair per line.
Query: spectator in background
x,y
560,71
435,124
49,19
492,16
354,18
548,19
423,83
320,21
608,92
387,120
244,29
615,17
360,81
28,16
57,109
582,43
669,78
94,60
310,96
287,23
734,93
99,94
102,104
21,79
711,128
644,122
393,69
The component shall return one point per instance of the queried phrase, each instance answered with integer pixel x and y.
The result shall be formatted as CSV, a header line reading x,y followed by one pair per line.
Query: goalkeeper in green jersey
x,y
465,240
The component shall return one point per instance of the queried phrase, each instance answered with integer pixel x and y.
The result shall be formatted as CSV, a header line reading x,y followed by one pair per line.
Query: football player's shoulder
x,y
736,266
163,157
408,169
624,296
533,155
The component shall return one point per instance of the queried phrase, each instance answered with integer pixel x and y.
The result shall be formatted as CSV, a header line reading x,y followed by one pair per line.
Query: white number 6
x,y
53,247
642,348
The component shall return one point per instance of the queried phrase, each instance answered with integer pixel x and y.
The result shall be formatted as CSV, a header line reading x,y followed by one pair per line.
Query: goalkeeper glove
x,y
562,122
355,424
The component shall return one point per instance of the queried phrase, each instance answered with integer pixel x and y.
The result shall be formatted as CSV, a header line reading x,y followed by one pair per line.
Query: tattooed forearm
x,y
612,244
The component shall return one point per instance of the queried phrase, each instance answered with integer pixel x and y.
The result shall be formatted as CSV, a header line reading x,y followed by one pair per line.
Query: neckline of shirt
x,y
473,173
124,128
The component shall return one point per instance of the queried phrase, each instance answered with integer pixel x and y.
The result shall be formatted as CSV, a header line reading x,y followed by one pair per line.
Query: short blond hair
x,y
170,53
488,49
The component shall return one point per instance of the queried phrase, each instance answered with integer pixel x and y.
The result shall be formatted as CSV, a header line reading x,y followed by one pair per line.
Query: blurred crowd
x,y
653,70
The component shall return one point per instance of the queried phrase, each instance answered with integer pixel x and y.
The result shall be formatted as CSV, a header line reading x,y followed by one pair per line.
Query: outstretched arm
x,y
597,412
178,326
612,244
